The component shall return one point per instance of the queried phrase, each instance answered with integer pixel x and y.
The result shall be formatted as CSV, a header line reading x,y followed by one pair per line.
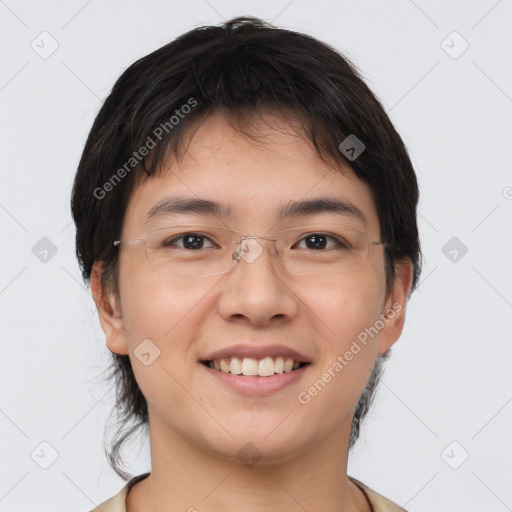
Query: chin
x,y
259,444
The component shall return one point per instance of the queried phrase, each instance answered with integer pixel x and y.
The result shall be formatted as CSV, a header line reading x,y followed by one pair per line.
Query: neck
x,y
187,477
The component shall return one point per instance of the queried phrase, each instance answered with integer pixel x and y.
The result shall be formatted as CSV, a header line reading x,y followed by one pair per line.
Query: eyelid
x,y
208,231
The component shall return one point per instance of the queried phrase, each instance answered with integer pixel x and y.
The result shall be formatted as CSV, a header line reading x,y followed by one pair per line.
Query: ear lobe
x,y
395,305
109,312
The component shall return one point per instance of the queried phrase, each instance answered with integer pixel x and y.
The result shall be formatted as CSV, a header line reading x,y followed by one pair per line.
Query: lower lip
x,y
254,385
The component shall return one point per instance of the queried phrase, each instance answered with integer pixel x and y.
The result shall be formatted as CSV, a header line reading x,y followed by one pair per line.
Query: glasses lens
x,y
323,250
190,250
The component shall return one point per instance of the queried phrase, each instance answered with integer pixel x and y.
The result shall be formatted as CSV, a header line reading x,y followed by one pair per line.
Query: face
x,y
256,308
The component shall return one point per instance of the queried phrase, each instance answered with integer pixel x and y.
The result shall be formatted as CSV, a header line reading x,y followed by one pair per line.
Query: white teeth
x,y
288,365
235,367
224,366
249,366
266,367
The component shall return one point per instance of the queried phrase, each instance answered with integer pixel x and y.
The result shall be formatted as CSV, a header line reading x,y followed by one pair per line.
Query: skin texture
x,y
198,425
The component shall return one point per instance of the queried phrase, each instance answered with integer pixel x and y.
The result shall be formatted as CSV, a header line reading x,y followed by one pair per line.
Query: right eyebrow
x,y
188,206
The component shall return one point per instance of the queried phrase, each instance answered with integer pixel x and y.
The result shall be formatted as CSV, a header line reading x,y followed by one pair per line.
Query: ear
x,y
395,304
109,312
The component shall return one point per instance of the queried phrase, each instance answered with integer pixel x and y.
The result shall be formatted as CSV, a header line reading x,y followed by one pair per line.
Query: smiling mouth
x,y
248,366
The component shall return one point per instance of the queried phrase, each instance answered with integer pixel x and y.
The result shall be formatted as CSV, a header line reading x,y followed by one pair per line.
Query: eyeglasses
x,y
198,250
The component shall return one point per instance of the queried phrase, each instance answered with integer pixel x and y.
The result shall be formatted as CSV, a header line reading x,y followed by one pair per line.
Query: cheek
x,y
156,309
348,306
349,320
344,315
153,305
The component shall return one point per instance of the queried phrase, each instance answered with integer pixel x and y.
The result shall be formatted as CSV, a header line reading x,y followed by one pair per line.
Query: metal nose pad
x,y
249,249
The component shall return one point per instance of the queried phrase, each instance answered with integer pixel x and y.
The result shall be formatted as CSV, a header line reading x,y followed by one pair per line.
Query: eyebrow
x,y
319,205
190,206
305,207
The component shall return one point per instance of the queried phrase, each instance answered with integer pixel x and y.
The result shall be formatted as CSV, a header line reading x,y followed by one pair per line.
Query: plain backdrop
x,y
438,436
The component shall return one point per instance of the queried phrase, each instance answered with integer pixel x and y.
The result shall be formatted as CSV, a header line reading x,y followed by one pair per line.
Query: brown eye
x,y
319,241
188,241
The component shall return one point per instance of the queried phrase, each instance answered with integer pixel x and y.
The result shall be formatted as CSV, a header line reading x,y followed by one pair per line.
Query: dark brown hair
x,y
243,66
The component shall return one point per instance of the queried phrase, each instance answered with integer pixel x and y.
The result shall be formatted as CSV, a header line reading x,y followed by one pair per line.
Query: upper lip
x,y
257,352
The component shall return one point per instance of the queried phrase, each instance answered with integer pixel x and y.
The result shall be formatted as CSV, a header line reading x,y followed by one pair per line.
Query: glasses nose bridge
x,y
249,249
249,237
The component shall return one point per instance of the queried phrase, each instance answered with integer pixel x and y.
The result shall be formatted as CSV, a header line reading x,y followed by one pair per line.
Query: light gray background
x,y
449,376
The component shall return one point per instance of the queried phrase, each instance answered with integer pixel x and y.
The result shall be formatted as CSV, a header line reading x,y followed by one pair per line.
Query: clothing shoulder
x,y
118,502
378,502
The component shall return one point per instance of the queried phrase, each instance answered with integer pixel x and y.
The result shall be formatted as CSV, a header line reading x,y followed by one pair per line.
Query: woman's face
x,y
169,325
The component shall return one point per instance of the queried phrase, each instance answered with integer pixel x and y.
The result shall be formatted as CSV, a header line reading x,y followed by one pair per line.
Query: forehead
x,y
249,176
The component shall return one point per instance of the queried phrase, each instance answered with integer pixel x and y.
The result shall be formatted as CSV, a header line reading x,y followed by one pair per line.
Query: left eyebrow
x,y
320,205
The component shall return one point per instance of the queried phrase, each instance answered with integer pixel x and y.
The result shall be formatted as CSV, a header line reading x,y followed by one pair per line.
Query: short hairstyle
x,y
243,67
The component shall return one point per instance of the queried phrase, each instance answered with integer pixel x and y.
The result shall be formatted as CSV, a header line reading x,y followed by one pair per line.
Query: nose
x,y
256,290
